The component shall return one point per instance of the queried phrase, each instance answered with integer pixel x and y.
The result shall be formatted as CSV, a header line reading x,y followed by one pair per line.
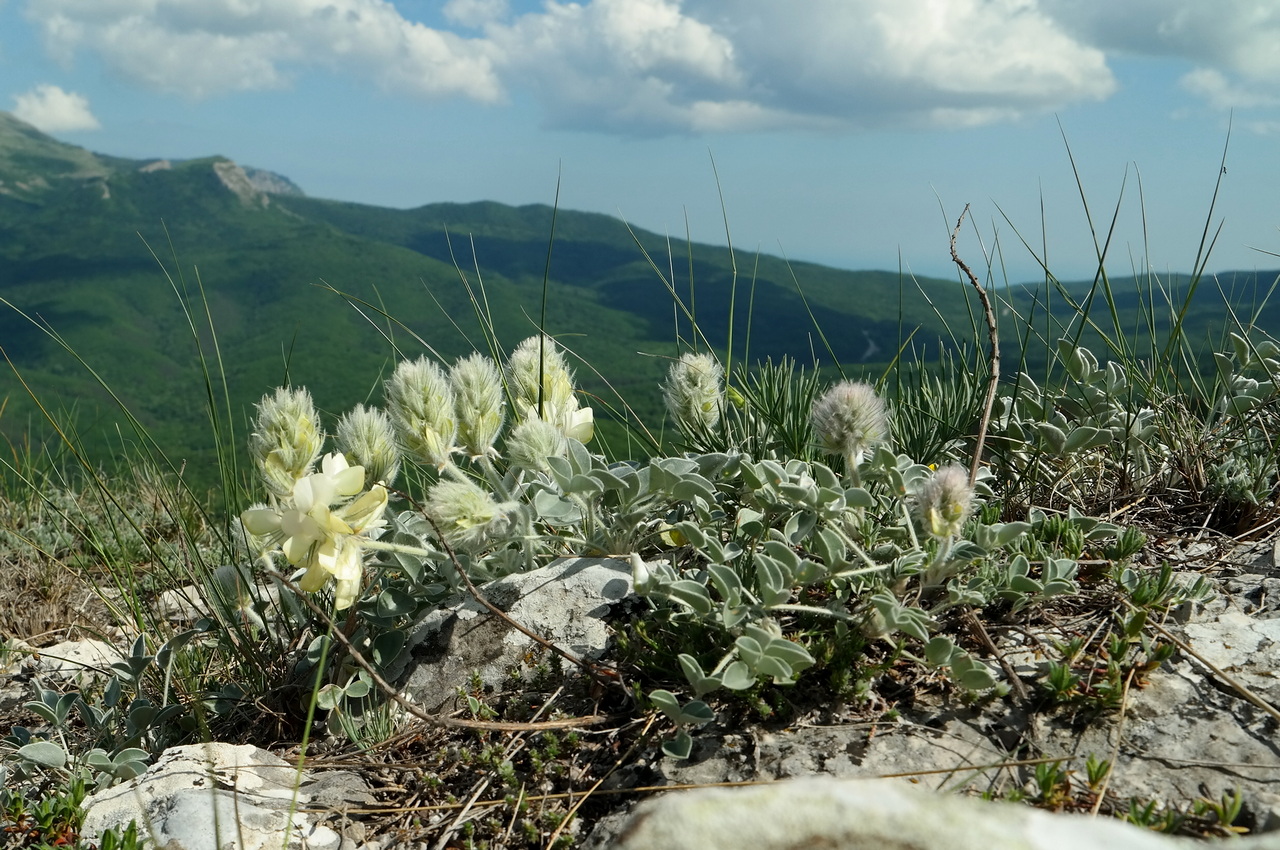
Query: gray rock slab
x,y
566,602
217,797
869,815
79,662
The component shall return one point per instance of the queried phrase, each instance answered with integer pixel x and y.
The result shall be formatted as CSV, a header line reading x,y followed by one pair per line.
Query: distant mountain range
x,y
89,244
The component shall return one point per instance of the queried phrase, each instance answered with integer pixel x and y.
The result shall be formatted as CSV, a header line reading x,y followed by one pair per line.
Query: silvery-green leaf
x,y
1052,436
828,546
773,584
394,602
690,593
857,497
693,488
1241,346
43,753
328,697
1011,531
387,647
749,650
799,526
679,747
556,510
825,476
1085,437
357,688
810,571
938,650
1023,584
728,583
698,679
173,644
971,674
693,533
737,676
126,770
666,702
696,712
775,668
795,655
580,459
584,485
608,480
131,754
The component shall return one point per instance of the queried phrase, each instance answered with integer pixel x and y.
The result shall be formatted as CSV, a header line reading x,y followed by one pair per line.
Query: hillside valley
x,y
143,276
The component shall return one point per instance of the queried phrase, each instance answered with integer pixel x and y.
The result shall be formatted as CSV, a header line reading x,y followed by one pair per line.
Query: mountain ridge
x,y
122,258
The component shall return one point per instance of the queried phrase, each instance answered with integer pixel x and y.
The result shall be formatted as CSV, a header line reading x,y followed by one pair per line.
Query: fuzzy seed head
x,y
693,392
944,501
466,514
286,439
537,365
533,441
421,404
367,437
479,402
849,419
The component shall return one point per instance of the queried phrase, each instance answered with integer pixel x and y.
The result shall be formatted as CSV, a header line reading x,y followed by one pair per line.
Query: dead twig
x,y
994,378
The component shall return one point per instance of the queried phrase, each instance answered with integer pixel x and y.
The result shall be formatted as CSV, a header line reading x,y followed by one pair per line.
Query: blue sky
x,y
848,132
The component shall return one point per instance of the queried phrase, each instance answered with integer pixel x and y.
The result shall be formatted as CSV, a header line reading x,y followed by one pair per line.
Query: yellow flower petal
x,y
261,521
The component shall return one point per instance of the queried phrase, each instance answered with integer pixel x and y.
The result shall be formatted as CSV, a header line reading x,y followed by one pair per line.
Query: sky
x,y
846,132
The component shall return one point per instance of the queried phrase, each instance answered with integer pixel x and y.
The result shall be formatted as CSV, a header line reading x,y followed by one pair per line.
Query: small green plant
x,y
122,733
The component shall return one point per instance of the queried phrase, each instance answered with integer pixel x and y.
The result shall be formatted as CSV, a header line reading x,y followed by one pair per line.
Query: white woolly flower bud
x,y
420,401
849,419
479,402
693,392
286,439
542,388
531,442
943,502
466,515
366,436
537,373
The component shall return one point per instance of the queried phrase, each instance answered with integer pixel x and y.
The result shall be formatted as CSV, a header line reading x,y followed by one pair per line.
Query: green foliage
x,y
124,728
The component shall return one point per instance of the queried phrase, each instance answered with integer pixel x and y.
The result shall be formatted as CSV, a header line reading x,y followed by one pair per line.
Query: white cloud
x,y
201,48
627,66
474,13
662,65
1234,44
53,110
1222,93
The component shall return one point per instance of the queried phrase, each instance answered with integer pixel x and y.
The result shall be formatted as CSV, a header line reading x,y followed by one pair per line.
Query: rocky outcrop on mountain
x,y
272,183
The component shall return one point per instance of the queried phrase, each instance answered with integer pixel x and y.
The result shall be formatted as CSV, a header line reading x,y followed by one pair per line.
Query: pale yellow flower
x,y
320,532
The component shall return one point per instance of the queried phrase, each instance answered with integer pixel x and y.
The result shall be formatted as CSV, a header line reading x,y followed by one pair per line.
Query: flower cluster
x,y
693,392
944,501
849,419
286,440
542,388
320,525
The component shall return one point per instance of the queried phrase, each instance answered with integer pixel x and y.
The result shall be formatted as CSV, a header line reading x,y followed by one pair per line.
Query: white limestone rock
x,y
872,815
565,602
213,797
